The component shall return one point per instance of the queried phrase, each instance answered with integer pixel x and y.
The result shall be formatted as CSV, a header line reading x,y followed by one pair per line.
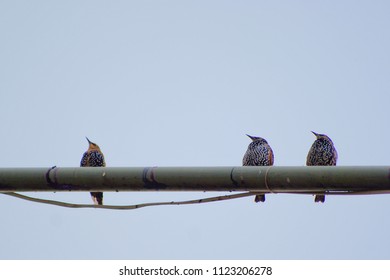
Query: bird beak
x,y
88,140
316,134
251,137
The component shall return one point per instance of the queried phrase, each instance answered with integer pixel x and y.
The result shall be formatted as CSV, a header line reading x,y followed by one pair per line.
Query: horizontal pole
x,y
262,179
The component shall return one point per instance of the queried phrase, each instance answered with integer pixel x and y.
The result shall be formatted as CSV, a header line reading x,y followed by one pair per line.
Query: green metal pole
x,y
275,179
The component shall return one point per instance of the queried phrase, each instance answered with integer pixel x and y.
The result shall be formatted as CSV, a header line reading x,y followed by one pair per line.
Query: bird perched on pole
x,y
321,153
94,157
259,153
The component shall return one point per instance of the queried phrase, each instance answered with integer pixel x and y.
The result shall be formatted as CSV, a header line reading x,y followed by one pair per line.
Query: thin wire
x,y
186,202
129,207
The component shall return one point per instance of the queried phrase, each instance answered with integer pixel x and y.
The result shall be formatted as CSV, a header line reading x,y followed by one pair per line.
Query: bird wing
x,y
92,159
96,159
270,156
84,160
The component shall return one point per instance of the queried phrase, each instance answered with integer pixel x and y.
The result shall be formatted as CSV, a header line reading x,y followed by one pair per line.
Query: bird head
x,y
255,138
92,146
321,136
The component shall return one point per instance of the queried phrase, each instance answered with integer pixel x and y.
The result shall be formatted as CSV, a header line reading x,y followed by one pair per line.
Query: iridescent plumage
x,y
321,153
259,153
94,157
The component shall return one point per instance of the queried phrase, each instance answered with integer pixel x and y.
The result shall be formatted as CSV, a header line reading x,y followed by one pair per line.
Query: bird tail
x,y
97,198
259,198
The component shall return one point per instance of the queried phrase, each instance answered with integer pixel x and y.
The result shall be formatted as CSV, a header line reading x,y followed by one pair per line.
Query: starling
x,y
94,157
259,153
321,153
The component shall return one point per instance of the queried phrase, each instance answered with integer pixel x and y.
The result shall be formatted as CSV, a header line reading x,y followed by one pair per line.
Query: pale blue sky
x,y
180,83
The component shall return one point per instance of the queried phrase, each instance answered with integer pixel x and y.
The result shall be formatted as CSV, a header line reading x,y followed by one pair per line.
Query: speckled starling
x,y
321,153
94,157
259,153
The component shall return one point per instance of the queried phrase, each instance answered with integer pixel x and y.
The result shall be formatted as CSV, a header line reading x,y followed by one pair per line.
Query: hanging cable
x,y
129,207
